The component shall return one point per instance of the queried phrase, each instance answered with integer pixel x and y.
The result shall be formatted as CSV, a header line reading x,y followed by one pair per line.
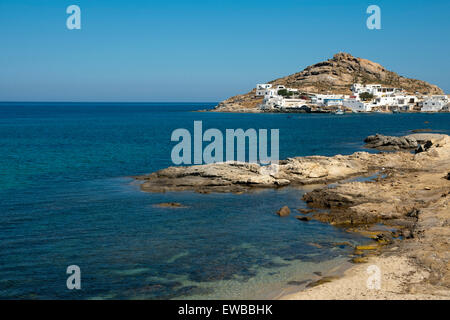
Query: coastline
x,y
416,267
406,212
242,109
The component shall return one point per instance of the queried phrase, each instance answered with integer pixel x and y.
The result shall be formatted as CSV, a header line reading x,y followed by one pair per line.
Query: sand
x,y
398,277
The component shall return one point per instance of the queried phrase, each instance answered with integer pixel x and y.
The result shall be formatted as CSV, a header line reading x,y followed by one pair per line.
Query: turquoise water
x,y
66,198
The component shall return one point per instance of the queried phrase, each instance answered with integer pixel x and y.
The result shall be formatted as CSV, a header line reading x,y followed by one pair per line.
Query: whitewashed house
x,y
406,100
377,90
262,89
294,103
434,103
327,99
395,100
272,101
358,88
357,105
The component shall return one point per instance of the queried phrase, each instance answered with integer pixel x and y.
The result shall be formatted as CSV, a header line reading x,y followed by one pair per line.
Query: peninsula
x,y
341,84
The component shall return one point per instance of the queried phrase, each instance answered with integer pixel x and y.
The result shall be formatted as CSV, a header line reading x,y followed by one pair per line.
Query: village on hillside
x,y
364,98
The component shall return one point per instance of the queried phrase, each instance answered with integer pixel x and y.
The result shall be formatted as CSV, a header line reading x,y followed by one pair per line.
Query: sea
x,y
67,197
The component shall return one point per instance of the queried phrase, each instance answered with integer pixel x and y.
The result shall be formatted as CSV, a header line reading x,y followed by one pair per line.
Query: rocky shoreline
x,y
405,209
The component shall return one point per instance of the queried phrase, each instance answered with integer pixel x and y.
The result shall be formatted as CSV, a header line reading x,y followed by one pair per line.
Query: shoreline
x,y
398,275
415,267
411,201
293,111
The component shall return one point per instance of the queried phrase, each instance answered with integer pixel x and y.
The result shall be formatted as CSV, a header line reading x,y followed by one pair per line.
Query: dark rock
x,y
383,142
359,259
343,244
297,283
424,147
320,281
413,213
407,234
448,176
328,198
302,218
284,212
305,211
170,205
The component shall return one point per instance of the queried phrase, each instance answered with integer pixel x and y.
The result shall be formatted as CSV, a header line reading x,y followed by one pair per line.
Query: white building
x,y
274,101
262,89
395,100
266,89
358,88
434,104
294,103
271,102
357,105
377,90
327,99
406,100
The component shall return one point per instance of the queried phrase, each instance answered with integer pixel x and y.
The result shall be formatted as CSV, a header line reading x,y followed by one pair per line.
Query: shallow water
x,y
65,199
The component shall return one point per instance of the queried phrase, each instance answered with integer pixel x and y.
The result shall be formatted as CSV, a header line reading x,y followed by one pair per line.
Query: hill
x,y
335,75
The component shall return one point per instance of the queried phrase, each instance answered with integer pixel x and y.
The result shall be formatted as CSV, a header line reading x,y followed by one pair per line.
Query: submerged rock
x,y
320,281
360,260
305,211
297,283
170,205
284,212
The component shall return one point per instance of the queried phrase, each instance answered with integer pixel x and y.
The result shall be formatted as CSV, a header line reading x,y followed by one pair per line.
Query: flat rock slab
x,y
238,177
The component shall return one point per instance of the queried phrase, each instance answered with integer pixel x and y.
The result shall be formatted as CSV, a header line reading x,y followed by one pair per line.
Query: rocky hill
x,y
335,75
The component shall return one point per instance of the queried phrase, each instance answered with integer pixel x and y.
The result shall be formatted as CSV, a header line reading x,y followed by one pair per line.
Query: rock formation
x,y
382,142
284,211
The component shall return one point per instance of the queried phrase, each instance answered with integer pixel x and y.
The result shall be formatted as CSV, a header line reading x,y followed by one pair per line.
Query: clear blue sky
x,y
204,50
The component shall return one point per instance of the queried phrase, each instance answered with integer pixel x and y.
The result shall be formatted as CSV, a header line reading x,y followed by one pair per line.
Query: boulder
x,y
383,142
422,148
284,212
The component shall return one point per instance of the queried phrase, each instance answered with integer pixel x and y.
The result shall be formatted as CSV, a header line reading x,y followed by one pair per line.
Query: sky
x,y
205,50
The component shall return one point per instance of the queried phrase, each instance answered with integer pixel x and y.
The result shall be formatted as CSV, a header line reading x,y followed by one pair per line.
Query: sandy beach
x,y
399,279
